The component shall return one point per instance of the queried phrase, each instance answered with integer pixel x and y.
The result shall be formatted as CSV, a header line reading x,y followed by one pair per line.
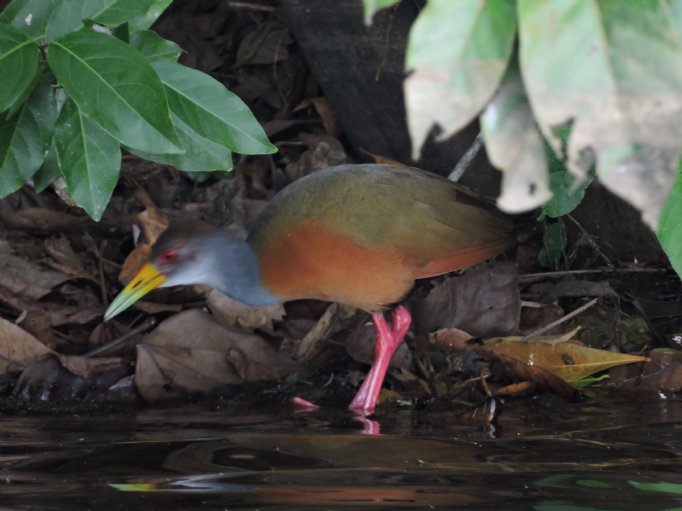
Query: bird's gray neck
x,y
235,271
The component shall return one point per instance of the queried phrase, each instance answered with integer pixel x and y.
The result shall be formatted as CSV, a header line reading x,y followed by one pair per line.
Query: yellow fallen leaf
x,y
567,360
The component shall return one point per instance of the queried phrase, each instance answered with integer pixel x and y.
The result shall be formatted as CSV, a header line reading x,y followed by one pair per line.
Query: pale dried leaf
x,y
234,313
18,348
28,279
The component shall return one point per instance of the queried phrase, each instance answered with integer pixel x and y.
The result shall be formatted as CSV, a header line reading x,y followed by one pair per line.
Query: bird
x,y
357,234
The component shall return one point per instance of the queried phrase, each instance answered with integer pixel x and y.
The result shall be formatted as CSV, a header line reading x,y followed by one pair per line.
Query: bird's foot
x,y
387,342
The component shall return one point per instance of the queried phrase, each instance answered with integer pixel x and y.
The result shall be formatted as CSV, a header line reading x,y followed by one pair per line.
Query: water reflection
x,y
610,454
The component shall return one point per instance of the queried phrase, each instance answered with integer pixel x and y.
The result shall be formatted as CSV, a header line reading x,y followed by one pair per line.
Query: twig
x,y
590,241
253,7
559,321
466,159
533,277
146,325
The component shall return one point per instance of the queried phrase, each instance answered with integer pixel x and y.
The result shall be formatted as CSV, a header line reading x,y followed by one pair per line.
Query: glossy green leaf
x,y
613,69
70,14
49,171
201,154
457,54
146,20
154,47
670,225
29,16
18,65
514,145
89,157
116,87
211,110
25,138
373,6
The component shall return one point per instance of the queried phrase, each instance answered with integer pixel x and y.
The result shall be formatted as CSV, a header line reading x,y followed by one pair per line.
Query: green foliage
x,y
670,226
554,243
567,190
608,71
119,85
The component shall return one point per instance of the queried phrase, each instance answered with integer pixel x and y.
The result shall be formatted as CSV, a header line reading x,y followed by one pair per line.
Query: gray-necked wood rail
x,y
355,234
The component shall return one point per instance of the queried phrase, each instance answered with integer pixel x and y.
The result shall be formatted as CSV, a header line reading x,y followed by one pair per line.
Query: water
x,y
619,453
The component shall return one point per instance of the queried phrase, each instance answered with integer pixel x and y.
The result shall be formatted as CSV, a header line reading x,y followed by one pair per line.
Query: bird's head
x,y
181,256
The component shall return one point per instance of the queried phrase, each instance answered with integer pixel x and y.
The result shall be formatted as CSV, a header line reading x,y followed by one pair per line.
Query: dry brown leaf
x,y
483,302
38,324
324,151
152,222
268,44
28,279
662,372
326,113
41,219
234,313
192,352
60,250
450,339
383,159
334,318
568,360
18,348
360,346
87,368
67,377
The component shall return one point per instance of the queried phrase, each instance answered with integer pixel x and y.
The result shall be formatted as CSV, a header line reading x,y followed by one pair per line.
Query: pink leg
x,y
388,340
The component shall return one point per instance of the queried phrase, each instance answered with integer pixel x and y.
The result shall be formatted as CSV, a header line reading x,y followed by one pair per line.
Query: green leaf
x,y
154,47
18,65
201,154
670,225
211,110
146,20
567,192
69,14
676,16
116,87
554,240
29,16
514,145
89,157
457,54
662,487
49,171
373,6
25,138
613,69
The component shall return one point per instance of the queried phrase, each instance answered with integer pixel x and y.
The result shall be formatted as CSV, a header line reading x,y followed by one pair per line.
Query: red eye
x,y
168,256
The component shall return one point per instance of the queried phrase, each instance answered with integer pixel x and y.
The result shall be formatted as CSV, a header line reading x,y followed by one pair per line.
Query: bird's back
x,y
361,234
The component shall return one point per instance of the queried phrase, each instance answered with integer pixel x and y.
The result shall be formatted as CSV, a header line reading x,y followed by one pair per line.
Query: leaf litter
x,y
58,269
